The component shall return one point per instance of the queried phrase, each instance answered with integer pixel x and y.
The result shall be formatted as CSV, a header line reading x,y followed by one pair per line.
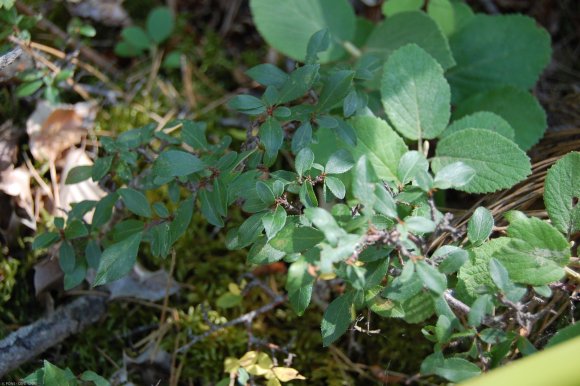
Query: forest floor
x,y
136,338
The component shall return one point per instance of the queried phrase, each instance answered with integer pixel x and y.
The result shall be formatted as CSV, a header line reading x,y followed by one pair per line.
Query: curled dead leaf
x,y
108,12
54,129
143,284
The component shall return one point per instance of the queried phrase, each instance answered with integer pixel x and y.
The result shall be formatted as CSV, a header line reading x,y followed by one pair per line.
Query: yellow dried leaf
x,y
233,288
249,358
286,374
273,382
231,365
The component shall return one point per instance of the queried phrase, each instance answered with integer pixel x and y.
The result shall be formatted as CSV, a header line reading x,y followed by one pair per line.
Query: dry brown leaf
x,y
86,190
108,12
15,182
9,136
143,284
47,276
54,129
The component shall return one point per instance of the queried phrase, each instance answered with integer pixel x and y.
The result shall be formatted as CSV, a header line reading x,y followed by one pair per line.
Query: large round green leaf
x,y
287,25
415,94
518,107
561,193
410,27
492,51
498,162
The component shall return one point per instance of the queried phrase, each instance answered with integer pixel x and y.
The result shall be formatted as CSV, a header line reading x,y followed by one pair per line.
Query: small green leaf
x,y
363,184
177,163
117,260
336,319
295,239
101,167
339,162
104,210
160,240
335,89
566,333
274,222
136,37
457,369
160,24
45,240
443,12
298,83
268,75
419,224
525,346
443,329
91,376
455,175
453,258
78,174
498,162
75,229
247,104
324,221
384,202
562,193
431,277
482,306
302,137
501,279
307,195
299,285
55,376
127,228
76,276
67,257
80,209
209,208
93,254
229,300
406,286
318,42
262,252
181,218
135,201
415,94
265,192
480,225
272,137
336,186
126,50
28,88
304,160
411,164
193,134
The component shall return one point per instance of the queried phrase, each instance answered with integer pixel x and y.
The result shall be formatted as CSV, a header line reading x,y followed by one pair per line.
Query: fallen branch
x,y
245,319
30,341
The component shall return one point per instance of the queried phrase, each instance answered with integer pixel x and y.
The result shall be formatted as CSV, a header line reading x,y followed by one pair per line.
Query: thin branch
x,y
244,319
